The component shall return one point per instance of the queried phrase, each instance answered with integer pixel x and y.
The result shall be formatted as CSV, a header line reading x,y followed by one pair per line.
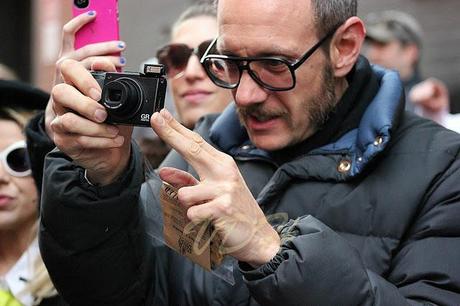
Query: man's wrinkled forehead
x,y
264,20
265,12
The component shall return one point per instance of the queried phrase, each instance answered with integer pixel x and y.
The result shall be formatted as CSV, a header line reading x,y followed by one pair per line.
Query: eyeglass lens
x,y
273,73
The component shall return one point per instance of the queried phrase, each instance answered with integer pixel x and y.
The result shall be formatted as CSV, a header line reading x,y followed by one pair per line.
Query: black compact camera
x,y
132,98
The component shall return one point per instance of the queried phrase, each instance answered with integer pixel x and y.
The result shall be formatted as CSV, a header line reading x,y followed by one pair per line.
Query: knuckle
x,y
58,92
62,142
81,141
59,62
67,64
182,196
230,168
197,138
196,145
67,29
194,149
168,132
82,52
225,206
69,121
191,214
57,139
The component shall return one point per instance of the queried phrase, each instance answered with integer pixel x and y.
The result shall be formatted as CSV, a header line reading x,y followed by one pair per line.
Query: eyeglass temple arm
x,y
315,47
211,45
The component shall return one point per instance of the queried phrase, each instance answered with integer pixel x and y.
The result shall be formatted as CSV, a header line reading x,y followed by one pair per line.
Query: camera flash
x,y
154,69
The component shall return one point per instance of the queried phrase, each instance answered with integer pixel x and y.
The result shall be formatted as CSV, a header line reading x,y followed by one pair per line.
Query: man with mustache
x,y
371,192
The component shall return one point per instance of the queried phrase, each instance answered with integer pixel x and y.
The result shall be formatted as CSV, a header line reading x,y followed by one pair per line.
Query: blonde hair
x,y
40,285
6,73
20,116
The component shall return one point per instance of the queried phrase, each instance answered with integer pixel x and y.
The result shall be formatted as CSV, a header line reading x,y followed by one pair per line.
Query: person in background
x,y
24,279
433,97
394,40
194,94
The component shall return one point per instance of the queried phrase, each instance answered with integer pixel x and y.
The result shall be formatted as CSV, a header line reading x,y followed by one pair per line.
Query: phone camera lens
x,y
81,4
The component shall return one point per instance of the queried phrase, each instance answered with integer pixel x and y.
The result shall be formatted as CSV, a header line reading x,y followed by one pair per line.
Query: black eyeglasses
x,y
14,159
271,72
175,56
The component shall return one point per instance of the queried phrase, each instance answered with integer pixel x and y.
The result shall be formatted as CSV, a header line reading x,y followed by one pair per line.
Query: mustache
x,y
258,111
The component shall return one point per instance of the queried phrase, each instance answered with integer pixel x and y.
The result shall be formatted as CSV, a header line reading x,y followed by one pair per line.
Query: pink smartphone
x,y
103,28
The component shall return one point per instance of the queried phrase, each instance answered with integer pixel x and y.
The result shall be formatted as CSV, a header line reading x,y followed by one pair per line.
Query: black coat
x,y
377,222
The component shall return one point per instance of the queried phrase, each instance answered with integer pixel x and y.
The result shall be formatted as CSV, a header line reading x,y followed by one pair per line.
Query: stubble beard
x,y
318,108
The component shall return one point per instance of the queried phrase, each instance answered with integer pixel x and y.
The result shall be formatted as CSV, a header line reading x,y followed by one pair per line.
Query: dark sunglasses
x,y
15,160
175,56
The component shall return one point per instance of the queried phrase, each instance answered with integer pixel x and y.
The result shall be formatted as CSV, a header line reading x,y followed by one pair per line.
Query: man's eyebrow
x,y
275,50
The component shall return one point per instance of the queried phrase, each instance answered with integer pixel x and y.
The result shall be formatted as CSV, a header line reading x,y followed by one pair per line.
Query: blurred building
x,y
31,33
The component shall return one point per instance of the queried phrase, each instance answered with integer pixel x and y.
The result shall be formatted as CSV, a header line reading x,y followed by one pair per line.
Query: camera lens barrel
x,y
123,97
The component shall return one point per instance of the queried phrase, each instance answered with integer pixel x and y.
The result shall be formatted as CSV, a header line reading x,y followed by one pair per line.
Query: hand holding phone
x,y
103,28
87,54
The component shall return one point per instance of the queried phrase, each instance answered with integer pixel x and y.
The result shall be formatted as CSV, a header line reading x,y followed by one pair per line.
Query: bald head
x,y
327,14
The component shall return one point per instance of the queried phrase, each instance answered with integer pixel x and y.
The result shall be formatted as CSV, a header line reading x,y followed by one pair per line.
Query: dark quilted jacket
x,y
377,221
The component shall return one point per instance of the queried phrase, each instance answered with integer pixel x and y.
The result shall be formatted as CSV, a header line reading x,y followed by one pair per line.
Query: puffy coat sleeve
x,y
38,145
317,266
91,237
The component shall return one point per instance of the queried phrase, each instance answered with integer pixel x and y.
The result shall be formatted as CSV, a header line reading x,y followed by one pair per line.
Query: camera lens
x,y
81,4
123,98
115,95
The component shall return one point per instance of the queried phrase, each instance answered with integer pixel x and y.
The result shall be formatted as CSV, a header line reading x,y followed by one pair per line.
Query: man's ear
x,y
411,54
346,46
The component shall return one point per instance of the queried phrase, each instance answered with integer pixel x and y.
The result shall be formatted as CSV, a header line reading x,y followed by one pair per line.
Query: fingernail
x,y
119,140
95,94
91,13
112,130
158,119
121,45
122,60
100,115
166,114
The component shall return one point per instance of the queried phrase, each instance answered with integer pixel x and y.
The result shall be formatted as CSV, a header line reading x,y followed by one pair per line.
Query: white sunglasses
x,y
15,160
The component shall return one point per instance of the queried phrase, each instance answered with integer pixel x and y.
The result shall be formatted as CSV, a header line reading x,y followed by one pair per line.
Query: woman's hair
x,y
20,116
6,73
196,10
40,285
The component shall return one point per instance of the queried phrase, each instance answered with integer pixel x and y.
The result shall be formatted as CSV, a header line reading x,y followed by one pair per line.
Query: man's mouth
x,y
262,121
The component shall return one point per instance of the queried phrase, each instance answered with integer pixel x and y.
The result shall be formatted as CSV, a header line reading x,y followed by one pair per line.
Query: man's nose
x,y
249,92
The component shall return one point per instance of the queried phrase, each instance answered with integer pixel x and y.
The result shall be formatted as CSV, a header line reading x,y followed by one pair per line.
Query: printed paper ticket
x,y
198,242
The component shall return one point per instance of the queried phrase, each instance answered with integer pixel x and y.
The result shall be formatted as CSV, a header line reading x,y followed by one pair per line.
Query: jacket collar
x,y
360,145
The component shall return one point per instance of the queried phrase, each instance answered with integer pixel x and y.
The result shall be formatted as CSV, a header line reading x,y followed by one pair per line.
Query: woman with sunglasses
x,y
194,93
24,279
